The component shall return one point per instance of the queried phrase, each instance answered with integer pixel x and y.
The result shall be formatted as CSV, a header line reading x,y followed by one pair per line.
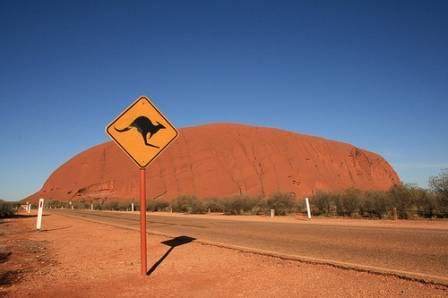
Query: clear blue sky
x,y
374,74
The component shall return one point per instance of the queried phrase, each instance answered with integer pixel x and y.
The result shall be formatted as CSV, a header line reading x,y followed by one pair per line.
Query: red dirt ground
x,y
76,258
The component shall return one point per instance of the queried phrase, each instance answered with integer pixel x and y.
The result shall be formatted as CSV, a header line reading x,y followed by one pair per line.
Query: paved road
x,y
407,249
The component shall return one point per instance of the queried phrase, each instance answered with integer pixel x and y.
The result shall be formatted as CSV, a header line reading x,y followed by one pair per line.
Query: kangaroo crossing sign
x,y
142,131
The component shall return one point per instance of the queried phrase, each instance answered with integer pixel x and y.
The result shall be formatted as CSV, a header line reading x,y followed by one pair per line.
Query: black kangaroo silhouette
x,y
144,126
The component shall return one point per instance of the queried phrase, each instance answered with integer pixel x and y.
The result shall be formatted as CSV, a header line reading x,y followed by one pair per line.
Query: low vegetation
x,y
7,209
282,204
401,201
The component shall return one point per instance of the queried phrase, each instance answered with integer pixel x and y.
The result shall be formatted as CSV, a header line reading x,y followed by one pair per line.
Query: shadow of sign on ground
x,y
172,243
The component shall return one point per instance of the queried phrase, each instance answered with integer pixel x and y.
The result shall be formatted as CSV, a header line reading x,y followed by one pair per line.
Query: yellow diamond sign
x,y
142,131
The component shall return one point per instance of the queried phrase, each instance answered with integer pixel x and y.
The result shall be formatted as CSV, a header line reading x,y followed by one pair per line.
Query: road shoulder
x,y
101,260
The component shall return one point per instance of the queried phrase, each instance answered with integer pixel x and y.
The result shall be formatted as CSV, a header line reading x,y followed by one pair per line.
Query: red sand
x,y
76,258
223,160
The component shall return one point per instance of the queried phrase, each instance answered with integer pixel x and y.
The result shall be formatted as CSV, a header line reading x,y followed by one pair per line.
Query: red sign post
x,y
143,133
143,221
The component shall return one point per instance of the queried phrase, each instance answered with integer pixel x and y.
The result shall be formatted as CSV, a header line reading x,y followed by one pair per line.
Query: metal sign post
x,y
142,132
143,221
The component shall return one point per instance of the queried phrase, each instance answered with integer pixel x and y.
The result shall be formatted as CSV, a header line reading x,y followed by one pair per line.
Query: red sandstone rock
x,y
223,160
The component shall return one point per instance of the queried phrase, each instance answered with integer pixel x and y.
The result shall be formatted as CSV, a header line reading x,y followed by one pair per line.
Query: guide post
x,y
39,214
308,211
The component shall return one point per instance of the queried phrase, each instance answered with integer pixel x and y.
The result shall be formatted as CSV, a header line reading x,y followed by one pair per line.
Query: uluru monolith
x,y
223,160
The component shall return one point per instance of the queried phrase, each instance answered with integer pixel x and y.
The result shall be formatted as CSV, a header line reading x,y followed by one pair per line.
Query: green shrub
x,y
7,209
214,204
401,196
157,205
259,206
410,201
80,205
377,204
244,205
439,185
54,203
233,206
321,203
188,204
350,202
111,205
282,203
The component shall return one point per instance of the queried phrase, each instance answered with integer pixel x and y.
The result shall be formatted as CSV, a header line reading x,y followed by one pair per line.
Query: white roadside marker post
x,y
39,214
308,211
91,206
132,207
272,213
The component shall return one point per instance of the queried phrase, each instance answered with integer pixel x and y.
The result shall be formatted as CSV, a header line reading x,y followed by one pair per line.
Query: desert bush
x,y
259,206
439,186
376,204
112,205
244,205
417,204
401,196
321,203
157,205
350,202
81,205
233,206
214,204
98,206
188,204
229,205
55,203
282,203
409,200
7,209
412,201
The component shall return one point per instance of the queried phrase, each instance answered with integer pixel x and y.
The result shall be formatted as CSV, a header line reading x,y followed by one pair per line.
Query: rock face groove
x,y
221,160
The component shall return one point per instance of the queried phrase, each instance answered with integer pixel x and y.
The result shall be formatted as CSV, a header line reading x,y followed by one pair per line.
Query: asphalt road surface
x,y
406,249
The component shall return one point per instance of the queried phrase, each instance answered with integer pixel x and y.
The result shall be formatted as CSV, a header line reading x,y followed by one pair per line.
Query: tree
x,y
439,185
351,200
282,203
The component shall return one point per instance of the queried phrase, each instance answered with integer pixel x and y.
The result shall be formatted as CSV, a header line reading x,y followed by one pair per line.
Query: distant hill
x,y
223,160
